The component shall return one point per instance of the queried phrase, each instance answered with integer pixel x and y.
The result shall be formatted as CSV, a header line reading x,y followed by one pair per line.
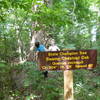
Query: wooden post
x,y
68,85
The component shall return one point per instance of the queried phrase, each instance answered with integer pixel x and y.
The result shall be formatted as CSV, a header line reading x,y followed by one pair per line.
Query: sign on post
x,y
67,60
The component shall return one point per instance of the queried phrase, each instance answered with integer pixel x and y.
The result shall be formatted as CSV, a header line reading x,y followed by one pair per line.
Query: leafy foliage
x,y
72,23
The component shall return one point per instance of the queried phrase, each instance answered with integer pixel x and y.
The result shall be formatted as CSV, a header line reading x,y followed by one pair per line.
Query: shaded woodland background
x,y
71,23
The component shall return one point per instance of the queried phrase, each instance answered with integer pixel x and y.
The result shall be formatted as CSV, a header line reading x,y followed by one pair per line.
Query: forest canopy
x,y
73,24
